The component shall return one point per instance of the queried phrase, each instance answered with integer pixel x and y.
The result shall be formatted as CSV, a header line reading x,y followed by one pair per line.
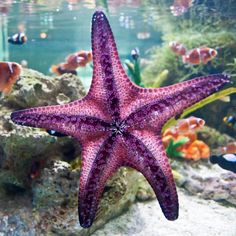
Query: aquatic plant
x,y
200,104
203,25
134,71
172,148
164,59
231,68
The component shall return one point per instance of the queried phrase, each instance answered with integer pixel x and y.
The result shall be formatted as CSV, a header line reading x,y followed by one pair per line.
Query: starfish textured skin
x,y
119,124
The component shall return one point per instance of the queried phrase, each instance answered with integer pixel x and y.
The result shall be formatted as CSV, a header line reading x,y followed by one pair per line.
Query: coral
x,y
196,150
184,144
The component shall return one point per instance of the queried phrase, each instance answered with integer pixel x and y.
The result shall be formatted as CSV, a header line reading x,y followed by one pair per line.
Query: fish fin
x,y
225,98
3,83
8,88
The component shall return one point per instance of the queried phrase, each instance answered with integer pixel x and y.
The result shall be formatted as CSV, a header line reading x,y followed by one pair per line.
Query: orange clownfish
x,y
9,74
177,48
72,62
78,59
199,55
185,125
179,7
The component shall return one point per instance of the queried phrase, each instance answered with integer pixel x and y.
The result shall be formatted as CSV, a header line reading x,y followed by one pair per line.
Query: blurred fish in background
x,y
225,161
9,74
179,7
72,62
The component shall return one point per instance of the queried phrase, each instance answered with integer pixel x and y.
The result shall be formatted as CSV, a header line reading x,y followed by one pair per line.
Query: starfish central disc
x,y
118,127
119,124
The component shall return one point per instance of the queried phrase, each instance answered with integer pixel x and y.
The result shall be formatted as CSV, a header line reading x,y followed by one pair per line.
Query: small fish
x,y
35,169
185,125
55,133
179,7
18,39
230,121
78,59
178,48
225,161
9,74
197,56
58,69
24,63
143,35
135,54
72,62
229,148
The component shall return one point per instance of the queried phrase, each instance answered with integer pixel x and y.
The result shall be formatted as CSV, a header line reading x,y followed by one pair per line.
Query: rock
x,y
207,181
36,89
39,191
118,195
145,192
196,217
204,179
54,203
213,138
56,185
22,147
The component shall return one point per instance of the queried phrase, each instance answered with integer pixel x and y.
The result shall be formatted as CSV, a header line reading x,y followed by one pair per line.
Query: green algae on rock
x,y
37,89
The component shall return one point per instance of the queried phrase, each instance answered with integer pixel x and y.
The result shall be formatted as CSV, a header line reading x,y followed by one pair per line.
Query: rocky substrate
x,y
39,173
196,217
51,207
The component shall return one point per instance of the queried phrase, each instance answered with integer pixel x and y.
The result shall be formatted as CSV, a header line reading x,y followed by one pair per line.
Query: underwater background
x,y
40,170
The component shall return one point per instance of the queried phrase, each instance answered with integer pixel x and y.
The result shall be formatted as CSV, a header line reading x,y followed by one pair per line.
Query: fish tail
x,y
213,159
54,69
184,58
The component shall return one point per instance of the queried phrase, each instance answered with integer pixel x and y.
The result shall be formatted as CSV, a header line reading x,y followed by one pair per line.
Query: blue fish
x,y
55,133
230,121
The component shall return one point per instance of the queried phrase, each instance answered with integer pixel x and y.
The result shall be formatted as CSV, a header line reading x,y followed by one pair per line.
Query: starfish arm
x,y
147,155
110,82
173,100
97,167
56,118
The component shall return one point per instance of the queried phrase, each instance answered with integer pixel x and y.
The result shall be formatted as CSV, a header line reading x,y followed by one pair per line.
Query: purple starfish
x,y
119,124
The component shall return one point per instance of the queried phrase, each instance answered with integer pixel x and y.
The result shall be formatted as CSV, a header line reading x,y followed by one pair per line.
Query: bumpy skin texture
x,y
119,124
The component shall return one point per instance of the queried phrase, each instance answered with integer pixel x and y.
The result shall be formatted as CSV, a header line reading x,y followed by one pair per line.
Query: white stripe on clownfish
x,y
21,36
199,54
10,67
